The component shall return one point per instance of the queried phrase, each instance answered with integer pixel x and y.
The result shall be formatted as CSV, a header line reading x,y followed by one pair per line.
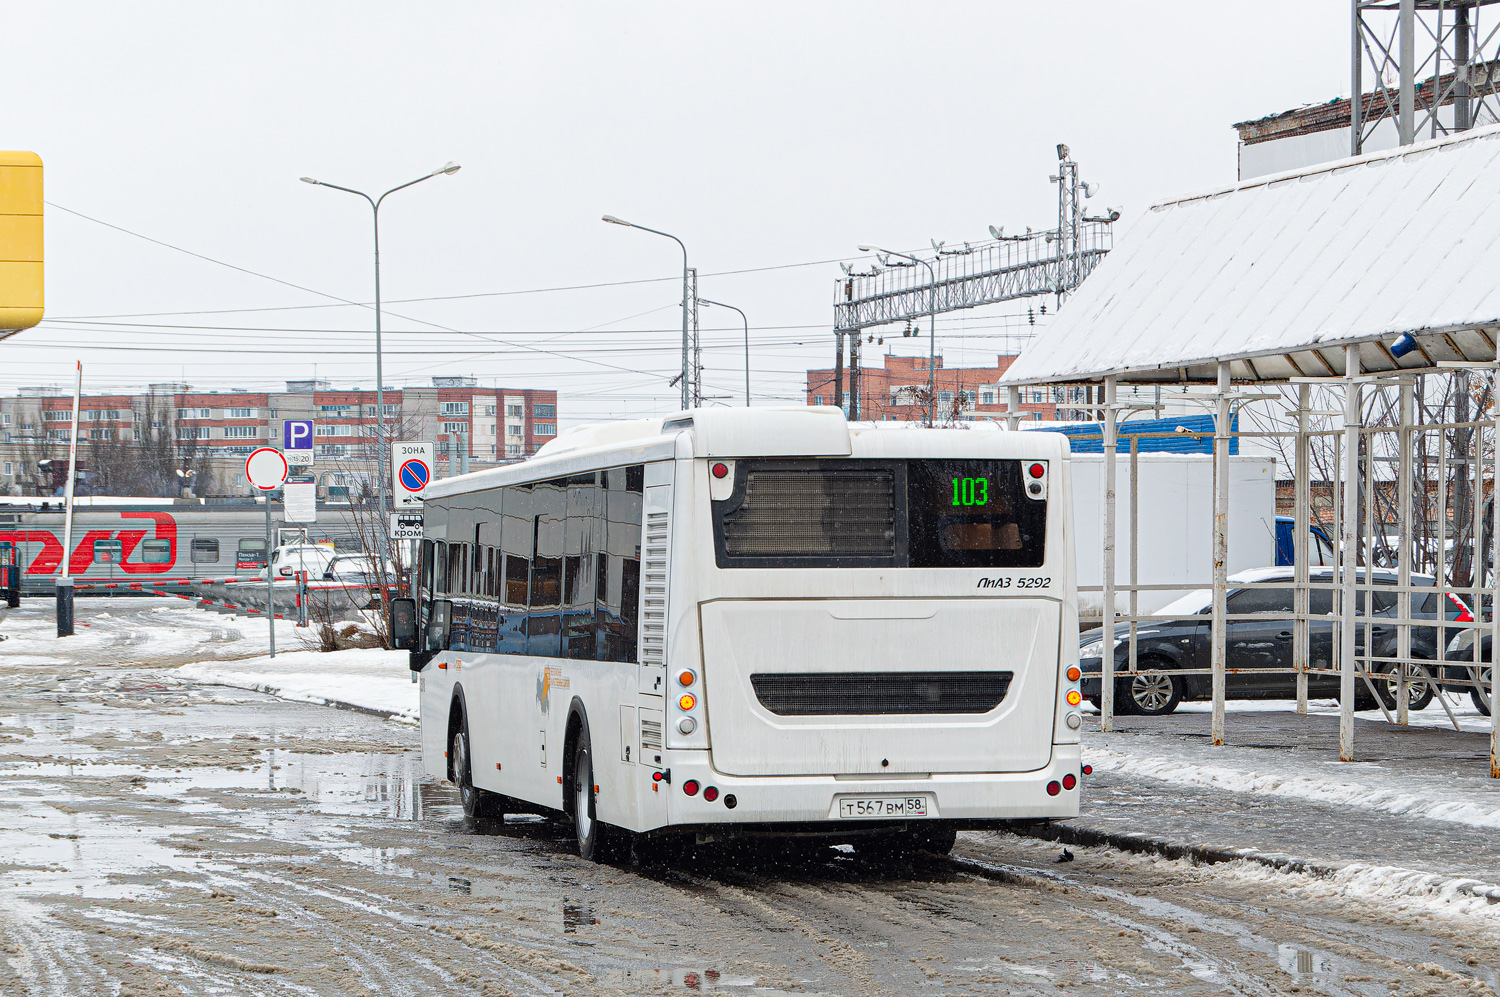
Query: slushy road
x,y
162,837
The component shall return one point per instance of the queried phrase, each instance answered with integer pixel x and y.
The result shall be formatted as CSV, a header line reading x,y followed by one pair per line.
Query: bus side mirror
x,y
437,627
404,624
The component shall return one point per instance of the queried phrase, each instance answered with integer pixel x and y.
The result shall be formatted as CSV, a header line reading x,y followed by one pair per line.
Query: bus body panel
x,y
906,637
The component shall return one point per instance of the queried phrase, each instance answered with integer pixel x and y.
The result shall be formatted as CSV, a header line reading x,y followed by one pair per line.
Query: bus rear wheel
x,y
597,841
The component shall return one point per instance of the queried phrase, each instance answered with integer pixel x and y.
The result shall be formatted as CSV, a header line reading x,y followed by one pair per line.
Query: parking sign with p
x,y
297,441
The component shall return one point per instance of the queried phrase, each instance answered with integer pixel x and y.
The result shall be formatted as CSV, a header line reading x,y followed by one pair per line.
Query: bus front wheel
x,y
477,803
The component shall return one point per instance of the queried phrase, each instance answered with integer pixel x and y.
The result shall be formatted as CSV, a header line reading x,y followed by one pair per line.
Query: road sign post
x,y
266,469
411,471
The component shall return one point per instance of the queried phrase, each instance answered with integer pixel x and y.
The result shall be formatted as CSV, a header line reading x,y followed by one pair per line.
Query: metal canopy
x,y
1279,274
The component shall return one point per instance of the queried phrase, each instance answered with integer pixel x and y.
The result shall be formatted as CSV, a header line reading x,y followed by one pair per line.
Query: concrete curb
x,y
1204,854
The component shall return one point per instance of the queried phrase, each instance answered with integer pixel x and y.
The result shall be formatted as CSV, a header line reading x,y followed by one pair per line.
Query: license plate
x,y
883,806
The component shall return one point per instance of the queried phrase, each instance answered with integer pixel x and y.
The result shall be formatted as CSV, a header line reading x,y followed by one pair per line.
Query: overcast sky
x,y
772,138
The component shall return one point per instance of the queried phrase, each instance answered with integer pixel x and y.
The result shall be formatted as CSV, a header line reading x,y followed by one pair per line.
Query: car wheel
x,y
597,841
478,804
1481,695
1419,692
1152,695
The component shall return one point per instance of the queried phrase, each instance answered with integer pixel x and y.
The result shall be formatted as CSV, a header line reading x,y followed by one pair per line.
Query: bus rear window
x,y
879,513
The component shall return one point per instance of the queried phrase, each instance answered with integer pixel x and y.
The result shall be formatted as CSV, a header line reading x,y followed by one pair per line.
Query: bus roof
x,y
803,431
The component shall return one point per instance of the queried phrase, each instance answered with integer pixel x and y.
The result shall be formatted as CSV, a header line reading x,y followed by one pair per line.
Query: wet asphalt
x,y
161,837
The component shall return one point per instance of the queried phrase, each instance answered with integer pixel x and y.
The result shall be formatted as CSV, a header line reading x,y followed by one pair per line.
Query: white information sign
x,y
406,526
411,471
299,498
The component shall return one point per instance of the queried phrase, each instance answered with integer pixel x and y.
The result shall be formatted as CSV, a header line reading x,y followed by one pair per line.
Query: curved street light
x,y
448,169
932,334
720,304
687,398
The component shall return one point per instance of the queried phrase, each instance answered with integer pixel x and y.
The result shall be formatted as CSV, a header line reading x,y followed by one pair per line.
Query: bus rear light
x,y
687,701
690,787
1069,781
1053,788
720,470
1088,770
711,793
687,725
1037,470
1074,674
686,677
1074,697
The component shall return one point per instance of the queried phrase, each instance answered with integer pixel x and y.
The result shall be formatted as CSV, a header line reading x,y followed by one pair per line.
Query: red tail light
x,y
1069,781
1053,788
690,787
710,794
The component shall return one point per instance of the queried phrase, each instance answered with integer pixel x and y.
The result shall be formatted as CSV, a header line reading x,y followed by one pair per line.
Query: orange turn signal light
x,y
686,677
1074,674
1074,697
687,701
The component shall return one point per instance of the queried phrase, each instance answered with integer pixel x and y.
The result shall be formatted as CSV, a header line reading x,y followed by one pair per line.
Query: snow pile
x,y
1406,890
373,680
1461,799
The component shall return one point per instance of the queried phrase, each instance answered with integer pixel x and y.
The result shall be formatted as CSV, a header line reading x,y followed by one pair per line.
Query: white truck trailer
x,y
1175,510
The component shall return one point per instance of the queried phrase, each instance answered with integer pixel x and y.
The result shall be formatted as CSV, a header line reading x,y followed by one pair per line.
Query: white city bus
x,y
754,620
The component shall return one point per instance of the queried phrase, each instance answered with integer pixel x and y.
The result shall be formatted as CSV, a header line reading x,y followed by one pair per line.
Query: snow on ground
x,y
135,630
363,679
1434,793
1469,719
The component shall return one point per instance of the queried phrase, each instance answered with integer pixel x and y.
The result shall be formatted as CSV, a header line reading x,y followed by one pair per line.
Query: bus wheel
x,y
597,841
477,803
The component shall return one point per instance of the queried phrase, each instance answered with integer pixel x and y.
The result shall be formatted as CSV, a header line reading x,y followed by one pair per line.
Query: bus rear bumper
x,y
974,798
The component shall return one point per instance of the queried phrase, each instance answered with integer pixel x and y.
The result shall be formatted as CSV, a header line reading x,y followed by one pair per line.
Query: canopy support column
x,y
1405,537
1301,527
1221,548
1107,606
1494,579
1349,537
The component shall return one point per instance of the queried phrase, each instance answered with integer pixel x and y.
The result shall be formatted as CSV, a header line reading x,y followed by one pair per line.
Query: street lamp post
x,y
687,398
720,304
380,442
932,333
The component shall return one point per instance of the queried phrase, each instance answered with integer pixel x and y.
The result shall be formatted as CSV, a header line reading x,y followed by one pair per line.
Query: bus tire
x,y
478,804
597,841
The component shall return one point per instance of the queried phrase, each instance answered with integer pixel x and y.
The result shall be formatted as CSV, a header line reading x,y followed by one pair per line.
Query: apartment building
x,y
897,390
171,436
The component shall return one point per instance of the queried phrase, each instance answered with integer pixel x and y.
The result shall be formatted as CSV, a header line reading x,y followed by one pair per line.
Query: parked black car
x,y
1257,647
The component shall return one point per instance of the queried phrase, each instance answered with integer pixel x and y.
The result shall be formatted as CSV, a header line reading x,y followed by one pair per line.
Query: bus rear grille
x,y
827,694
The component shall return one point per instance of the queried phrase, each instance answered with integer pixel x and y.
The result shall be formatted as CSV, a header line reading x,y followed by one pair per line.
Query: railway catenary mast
x,y
1006,268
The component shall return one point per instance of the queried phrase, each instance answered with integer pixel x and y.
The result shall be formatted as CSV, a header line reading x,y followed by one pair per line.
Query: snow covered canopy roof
x,y
1279,273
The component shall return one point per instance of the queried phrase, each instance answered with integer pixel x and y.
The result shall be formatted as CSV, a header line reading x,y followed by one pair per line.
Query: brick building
x,y
897,390
200,438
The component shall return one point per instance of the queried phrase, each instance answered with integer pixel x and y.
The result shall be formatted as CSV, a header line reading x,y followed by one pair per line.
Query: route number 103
x,y
971,491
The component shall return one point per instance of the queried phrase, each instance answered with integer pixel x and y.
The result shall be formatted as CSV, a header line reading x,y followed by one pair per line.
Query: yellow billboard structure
x,y
20,241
